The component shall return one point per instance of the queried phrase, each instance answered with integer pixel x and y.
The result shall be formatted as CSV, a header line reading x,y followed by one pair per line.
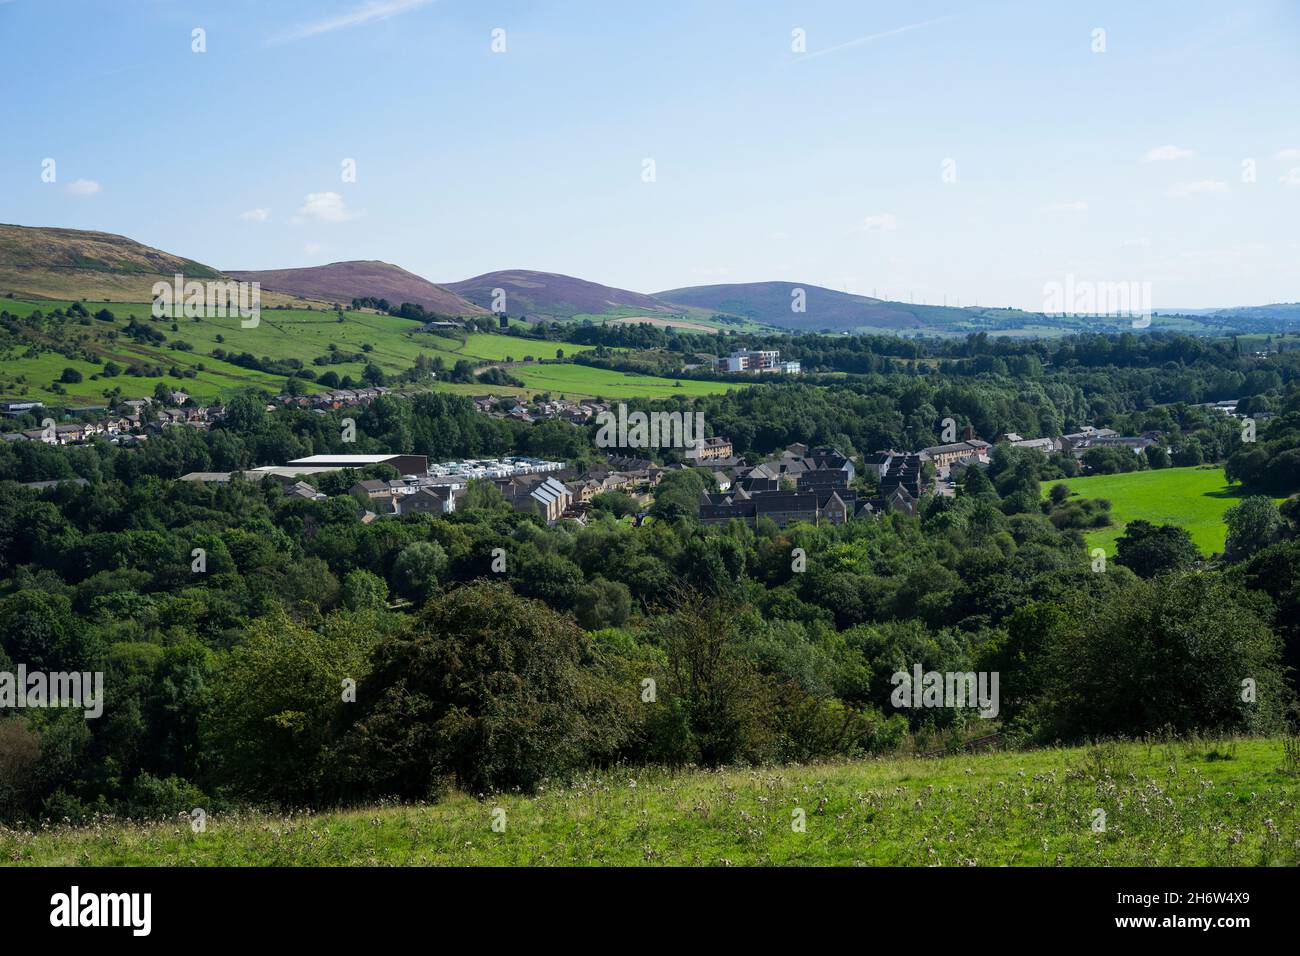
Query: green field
x,y
282,333
1226,803
1192,498
689,320
584,381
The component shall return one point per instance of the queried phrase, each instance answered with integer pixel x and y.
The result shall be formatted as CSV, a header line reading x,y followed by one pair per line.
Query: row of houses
x,y
335,398
129,421
813,485
578,412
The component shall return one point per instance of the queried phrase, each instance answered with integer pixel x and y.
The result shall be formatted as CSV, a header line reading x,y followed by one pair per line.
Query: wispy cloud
x,y
1292,177
1290,153
885,222
1165,154
367,12
83,187
1201,188
256,215
1075,205
860,41
325,207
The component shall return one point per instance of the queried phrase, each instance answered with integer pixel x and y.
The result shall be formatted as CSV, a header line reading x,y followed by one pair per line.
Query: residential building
x,y
710,449
761,361
434,499
535,494
782,507
944,455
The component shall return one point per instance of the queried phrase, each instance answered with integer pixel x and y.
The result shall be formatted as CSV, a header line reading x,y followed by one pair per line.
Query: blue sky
x,y
822,167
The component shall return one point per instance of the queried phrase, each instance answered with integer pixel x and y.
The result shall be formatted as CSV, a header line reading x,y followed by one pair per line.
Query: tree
x,y
603,603
40,630
489,688
1252,525
976,484
1189,453
616,502
712,701
1174,653
1148,550
678,495
547,576
362,590
417,569
274,702
482,495
70,376
245,412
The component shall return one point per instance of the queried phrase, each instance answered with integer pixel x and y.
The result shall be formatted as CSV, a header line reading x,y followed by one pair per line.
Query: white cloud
x,y
1077,205
1141,242
1181,190
83,187
312,248
325,207
256,215
1164,154
366,13
1292,177
1291,153
886,222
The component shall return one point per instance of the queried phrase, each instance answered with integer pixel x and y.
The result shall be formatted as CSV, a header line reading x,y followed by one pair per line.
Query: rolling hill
x,y
77,263
549,295
770,303
1280,311
345,281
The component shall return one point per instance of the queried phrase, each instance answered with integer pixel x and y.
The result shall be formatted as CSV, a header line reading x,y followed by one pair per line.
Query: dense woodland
x,y
490,651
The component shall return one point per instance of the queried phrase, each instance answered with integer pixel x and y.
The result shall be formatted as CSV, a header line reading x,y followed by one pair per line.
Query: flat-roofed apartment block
x,y
755,361
747,361
405,464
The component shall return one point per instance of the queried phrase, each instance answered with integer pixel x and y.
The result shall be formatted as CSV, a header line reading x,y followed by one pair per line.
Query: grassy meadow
x,y
1194,498
584,381
1199,803
304,334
